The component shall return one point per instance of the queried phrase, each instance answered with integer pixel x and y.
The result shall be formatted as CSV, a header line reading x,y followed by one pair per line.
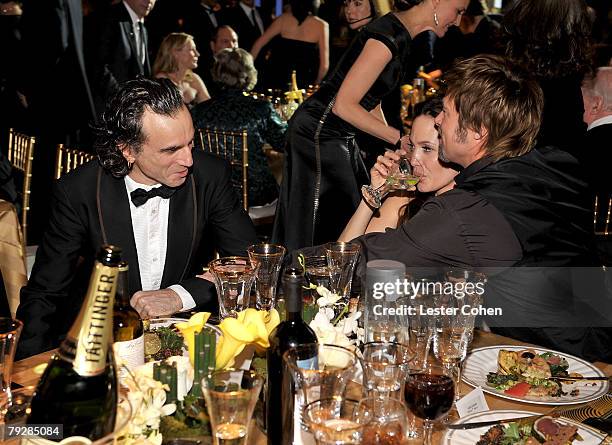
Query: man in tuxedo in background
x,y
201,20
224,37
247,22
167,208
596,153
119,47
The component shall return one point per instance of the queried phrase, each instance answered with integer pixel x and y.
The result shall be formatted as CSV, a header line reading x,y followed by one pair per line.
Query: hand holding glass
x,y
400,177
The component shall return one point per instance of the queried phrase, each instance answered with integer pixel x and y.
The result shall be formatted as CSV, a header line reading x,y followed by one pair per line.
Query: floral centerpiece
x,y
173,407
333,323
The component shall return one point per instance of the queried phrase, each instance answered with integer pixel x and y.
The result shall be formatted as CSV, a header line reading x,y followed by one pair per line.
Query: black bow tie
x,y
140,196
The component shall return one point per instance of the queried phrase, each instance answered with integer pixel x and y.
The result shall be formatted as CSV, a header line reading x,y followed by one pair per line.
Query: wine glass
x,y
233,279
267,260
429,393
400,177
453,332
230,397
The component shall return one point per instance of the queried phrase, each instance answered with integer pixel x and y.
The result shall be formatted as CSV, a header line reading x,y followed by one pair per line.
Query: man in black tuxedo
x,y
247,22
596,154
201,21
165,206
119,47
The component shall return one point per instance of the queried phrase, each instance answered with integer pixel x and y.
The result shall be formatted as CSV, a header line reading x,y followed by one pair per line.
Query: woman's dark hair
x,y
431,107
300,9
550,38
404,5
121,123
476,8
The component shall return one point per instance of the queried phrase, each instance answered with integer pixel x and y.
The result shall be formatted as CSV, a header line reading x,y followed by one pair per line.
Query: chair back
x,y
21,155
68,159
601,215
233,147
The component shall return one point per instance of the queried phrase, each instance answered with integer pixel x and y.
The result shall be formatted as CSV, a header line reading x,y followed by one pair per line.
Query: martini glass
x,y
401,177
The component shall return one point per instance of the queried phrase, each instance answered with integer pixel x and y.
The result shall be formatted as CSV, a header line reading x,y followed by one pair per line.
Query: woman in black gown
x,y
323,171
295,41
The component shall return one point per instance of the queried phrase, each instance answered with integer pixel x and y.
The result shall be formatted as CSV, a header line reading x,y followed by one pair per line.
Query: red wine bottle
x,y
288,334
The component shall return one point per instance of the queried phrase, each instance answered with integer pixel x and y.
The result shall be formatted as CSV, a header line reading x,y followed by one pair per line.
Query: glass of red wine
x,y
429,393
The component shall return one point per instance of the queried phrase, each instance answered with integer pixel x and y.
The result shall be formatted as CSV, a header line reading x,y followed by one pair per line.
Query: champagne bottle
x,y
128,330
79,386
292,332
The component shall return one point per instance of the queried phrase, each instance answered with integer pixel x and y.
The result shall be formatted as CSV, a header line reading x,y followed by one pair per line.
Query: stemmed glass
x,y
9,336
335,421
233,280
429,393
230,397
385,366
341,260
400,177
385,419
267,260
453,332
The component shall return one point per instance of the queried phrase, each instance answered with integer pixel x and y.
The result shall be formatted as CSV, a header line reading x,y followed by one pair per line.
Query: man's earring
x,y
436,21
130,165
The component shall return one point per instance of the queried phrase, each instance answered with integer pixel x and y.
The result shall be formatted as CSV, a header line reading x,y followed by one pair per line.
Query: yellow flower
x,y
236,336
191,327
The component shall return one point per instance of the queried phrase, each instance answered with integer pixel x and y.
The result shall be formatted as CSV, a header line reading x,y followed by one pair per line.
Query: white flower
x,y
147,398
327,297
349,324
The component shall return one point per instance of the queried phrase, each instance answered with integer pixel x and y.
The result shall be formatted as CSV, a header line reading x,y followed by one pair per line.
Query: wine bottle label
x,y
130,354
93,331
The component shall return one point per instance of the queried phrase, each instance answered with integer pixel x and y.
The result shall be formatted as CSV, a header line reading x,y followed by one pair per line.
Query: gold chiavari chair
x,y
68,159
601,215
21,155
233,147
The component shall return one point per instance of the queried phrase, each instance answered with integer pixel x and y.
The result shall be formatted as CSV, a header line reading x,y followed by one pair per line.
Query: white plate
x,y
481,361
167,322
590,435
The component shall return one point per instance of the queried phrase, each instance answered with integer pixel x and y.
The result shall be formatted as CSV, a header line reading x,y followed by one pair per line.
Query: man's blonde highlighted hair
x,y
493,96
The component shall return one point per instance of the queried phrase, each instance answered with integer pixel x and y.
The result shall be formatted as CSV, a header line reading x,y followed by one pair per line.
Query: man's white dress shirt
x,y
137,22
601,121
150,225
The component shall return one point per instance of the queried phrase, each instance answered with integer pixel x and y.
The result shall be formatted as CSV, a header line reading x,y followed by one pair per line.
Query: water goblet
x,y
387,421
10,330
453,332
230,397
400,177
233,279
341,260
385,366
327,376
267,260
335,421
429,393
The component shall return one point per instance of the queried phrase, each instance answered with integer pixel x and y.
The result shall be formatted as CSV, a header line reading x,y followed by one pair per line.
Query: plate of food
x,y
557,430
533,375
163,339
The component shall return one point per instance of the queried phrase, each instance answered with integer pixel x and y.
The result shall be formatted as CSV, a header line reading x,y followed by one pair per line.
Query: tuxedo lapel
x,y
181,232
128,31
116,222
147,64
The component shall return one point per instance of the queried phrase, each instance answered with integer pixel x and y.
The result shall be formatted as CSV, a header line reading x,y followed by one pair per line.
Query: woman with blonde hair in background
x,y
176,59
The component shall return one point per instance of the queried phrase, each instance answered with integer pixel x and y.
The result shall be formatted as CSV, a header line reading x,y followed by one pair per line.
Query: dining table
x,y
27,372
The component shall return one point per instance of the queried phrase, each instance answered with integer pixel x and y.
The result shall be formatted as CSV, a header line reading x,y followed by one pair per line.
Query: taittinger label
x,y
94,331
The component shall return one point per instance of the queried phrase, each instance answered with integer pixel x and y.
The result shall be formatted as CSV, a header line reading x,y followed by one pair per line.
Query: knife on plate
x,y
472,425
